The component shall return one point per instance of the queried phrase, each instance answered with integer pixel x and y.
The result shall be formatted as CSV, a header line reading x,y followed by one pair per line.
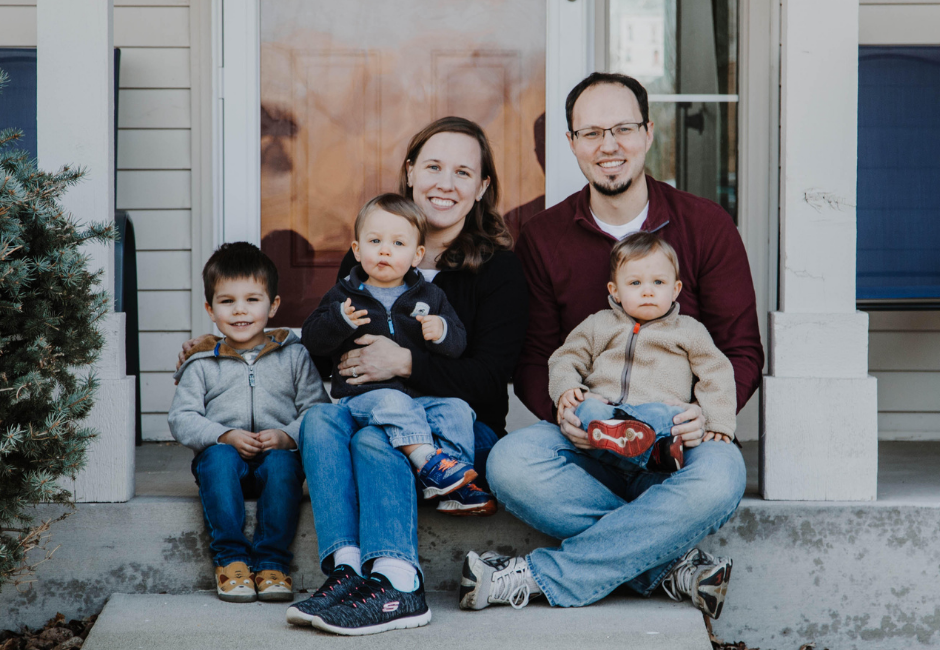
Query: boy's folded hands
x,y
248,444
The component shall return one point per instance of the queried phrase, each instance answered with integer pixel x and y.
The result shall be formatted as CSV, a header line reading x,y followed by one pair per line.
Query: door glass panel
x,y
344,86
898,211
677,48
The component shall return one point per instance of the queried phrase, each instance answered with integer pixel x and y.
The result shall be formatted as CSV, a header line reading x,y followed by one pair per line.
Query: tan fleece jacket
x,y
627,363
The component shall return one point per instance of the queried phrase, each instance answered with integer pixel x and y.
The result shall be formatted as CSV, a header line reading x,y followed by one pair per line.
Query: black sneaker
x,y
340,583
375,606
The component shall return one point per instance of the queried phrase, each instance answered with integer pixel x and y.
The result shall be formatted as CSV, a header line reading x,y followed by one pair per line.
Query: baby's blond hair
x,y
637,246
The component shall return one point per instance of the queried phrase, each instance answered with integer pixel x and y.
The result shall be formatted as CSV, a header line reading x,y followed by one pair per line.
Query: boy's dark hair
x,y
596,78
235,261
636,247
398,205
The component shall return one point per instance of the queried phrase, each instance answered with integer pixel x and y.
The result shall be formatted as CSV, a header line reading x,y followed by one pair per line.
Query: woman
x,y
362,490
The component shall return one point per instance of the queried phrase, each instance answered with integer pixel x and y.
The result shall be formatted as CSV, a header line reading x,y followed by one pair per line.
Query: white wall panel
x,y
164,270
155,67
166,311
156,391
154,427
17,26
153,149
162,229
154,109
151,26
159,350
153,189
914,392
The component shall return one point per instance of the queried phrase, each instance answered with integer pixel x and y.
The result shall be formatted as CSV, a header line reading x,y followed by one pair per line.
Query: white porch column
x,y
75,121
820,437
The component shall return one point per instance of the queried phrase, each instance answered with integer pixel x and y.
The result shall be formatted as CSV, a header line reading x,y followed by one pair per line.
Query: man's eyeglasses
x,y
596,134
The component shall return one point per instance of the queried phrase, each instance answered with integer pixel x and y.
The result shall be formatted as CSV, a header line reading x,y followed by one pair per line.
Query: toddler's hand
x,y
569,399
720,437
246,443
275,439
432,327
357,318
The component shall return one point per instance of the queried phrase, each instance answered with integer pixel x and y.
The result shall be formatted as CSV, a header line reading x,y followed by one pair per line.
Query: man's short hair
x,y
398,205
596,78
636,247
235,261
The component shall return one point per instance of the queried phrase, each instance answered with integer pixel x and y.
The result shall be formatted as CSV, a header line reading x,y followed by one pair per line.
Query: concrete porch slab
x,y
200,620
845,575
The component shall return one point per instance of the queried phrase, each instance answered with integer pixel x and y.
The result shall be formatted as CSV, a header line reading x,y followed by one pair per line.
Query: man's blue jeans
x,y
351,472
446,422
618,526
276,478
657,415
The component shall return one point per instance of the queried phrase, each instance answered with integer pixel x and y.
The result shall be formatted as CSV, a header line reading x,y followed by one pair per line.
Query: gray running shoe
x,y
341,582
494,579
703,578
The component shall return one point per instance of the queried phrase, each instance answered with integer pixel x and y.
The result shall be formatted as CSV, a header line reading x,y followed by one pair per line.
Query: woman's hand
x,y
187,346
379,360
690,424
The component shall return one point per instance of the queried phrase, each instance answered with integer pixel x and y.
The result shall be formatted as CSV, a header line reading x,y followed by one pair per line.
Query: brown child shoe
x,y
234,583
273,585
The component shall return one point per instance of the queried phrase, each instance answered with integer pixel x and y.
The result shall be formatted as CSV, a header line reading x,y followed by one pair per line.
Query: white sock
x,y
402,575
419,457
350,556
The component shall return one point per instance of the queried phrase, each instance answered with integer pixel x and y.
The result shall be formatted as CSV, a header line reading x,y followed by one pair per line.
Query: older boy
x,y
239,405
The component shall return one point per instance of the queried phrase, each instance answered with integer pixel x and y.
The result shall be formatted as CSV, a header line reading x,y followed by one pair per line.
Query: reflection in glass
x,y
684,47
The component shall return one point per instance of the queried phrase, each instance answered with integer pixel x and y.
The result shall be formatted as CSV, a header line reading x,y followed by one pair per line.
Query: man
x,y
636,528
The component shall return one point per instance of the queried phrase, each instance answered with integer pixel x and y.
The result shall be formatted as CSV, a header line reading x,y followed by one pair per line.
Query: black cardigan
x,y
493,305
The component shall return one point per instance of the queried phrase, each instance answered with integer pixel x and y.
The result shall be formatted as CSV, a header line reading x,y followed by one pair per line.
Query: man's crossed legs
x,y
619,525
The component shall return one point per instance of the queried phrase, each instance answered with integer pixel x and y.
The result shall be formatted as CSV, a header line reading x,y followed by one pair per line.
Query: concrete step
x,y
198,621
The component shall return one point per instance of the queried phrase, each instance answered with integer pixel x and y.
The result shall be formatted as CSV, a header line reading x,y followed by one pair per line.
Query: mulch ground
x,y
57,634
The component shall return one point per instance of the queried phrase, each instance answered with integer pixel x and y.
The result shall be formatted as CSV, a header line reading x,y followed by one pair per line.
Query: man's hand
x,y
432,327
570,425
690,424
570,399
357,318
246,443
275,439
380,359
720,437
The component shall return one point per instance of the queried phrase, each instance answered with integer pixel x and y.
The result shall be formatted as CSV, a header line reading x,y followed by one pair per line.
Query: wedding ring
x,y
355,374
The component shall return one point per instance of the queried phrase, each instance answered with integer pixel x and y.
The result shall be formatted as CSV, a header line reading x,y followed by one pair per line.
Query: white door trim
x,y
240,94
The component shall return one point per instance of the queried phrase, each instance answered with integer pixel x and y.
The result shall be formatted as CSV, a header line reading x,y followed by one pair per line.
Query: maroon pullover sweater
x,y
566,259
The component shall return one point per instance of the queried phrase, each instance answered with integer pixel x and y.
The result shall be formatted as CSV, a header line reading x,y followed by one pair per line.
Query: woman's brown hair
x,y
484,231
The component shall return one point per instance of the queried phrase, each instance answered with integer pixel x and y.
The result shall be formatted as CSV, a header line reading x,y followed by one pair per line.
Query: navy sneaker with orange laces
x,y
443,474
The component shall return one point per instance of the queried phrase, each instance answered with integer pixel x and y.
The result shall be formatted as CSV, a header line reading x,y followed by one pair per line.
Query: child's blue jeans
x,y
443,421
225,479
657,415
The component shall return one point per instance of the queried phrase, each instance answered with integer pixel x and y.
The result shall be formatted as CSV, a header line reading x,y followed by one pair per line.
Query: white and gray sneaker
x,y
494,579
703,578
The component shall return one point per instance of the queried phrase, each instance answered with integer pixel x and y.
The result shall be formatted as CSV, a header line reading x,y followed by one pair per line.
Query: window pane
x,y
898,171
18,99
676,46
684,47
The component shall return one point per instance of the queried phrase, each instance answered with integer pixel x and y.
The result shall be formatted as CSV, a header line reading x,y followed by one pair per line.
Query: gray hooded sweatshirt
x,y
219,391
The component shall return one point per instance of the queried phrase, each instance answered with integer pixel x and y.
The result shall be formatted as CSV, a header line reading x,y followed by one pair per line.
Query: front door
x,y
344,86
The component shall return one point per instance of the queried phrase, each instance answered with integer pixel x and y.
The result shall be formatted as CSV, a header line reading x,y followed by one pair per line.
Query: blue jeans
x,y
618,525
441,421
659,416
276,478
351,472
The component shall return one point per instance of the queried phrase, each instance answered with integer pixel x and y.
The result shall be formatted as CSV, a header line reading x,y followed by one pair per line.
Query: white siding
x,y
904,354
154,185
154,175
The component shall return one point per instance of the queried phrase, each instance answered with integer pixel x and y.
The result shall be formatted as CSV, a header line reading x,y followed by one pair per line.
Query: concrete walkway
x,y
198,621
